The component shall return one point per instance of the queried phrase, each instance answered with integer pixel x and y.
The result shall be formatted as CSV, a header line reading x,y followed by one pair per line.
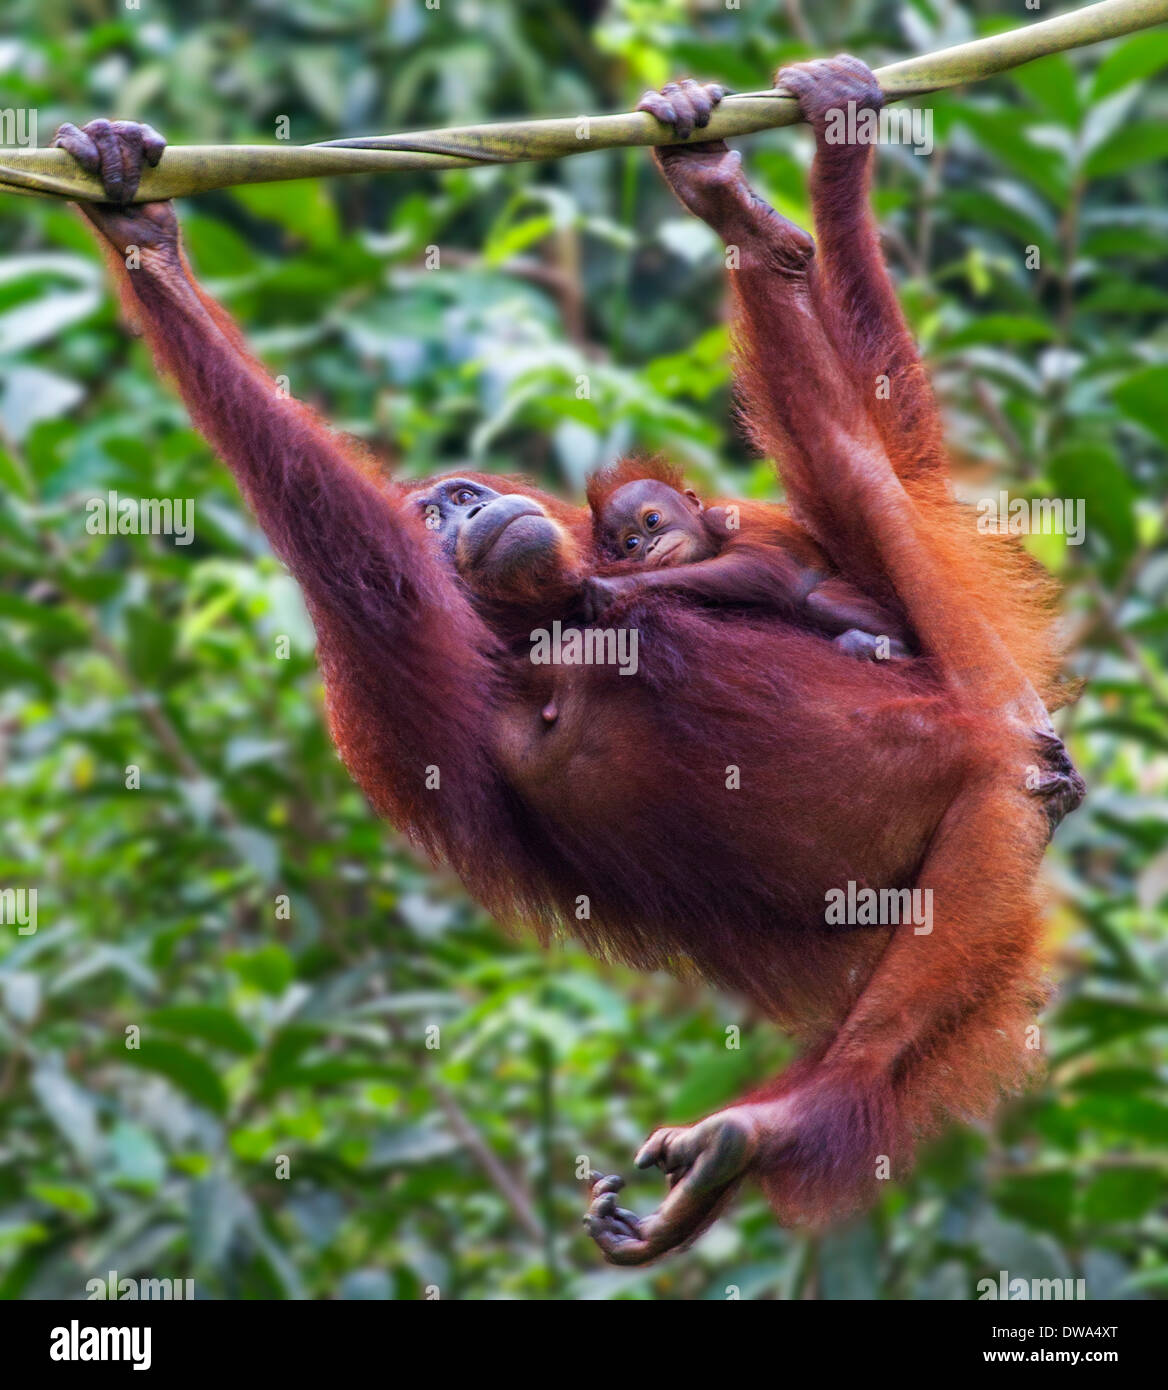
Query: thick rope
x,y
187,169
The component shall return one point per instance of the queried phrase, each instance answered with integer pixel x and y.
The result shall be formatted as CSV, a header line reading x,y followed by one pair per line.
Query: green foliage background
x,y
307,1037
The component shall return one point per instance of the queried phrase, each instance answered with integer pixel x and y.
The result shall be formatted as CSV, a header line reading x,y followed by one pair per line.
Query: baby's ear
x,y
694,500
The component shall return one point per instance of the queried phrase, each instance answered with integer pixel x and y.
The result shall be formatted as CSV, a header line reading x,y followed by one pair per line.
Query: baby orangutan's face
x,y
650,523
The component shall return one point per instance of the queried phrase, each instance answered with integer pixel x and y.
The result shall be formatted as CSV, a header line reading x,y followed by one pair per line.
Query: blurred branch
x,y
1108,618
505,1184
187,169
798,22
1022,464
465,1132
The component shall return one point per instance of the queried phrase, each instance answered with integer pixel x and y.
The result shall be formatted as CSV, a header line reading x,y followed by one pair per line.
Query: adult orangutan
x,y
703,809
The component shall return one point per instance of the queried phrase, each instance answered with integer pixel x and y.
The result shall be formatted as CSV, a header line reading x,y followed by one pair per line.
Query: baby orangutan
x,y
653,532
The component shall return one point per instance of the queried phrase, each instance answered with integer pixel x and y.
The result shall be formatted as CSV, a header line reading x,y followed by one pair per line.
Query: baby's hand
x,y
599,595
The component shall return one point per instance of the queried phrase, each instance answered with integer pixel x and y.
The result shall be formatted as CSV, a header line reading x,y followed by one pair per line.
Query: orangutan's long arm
x,y
405,658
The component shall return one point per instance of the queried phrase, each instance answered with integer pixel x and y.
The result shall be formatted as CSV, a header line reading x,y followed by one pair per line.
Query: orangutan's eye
x,y
652,519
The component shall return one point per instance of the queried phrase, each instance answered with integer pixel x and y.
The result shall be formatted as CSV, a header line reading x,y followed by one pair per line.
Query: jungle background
x,y
304,1033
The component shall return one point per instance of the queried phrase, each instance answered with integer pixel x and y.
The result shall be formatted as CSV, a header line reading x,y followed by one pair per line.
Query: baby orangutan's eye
x,y
652,519
632,542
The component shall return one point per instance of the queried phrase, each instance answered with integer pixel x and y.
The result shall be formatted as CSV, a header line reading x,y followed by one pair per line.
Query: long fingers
x,y
668,1149
74,140
685,105
121,158
153,144
616,1230
114,151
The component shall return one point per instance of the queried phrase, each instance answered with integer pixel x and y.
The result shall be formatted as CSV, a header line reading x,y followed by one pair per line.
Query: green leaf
x,y
999,328
251,1144
77,1201
1038,1199
718,1076
1141,397
71,1108
1092,473
1123,1194
138,1162
189,1072
45,318
303,208
1005,134
1142,142
31,395
212,1025
150,650
1107,1019
215,249
1053,84
17,669
60,623
509,241
259,850
1132,1118
13,1236
1131,61
269,969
